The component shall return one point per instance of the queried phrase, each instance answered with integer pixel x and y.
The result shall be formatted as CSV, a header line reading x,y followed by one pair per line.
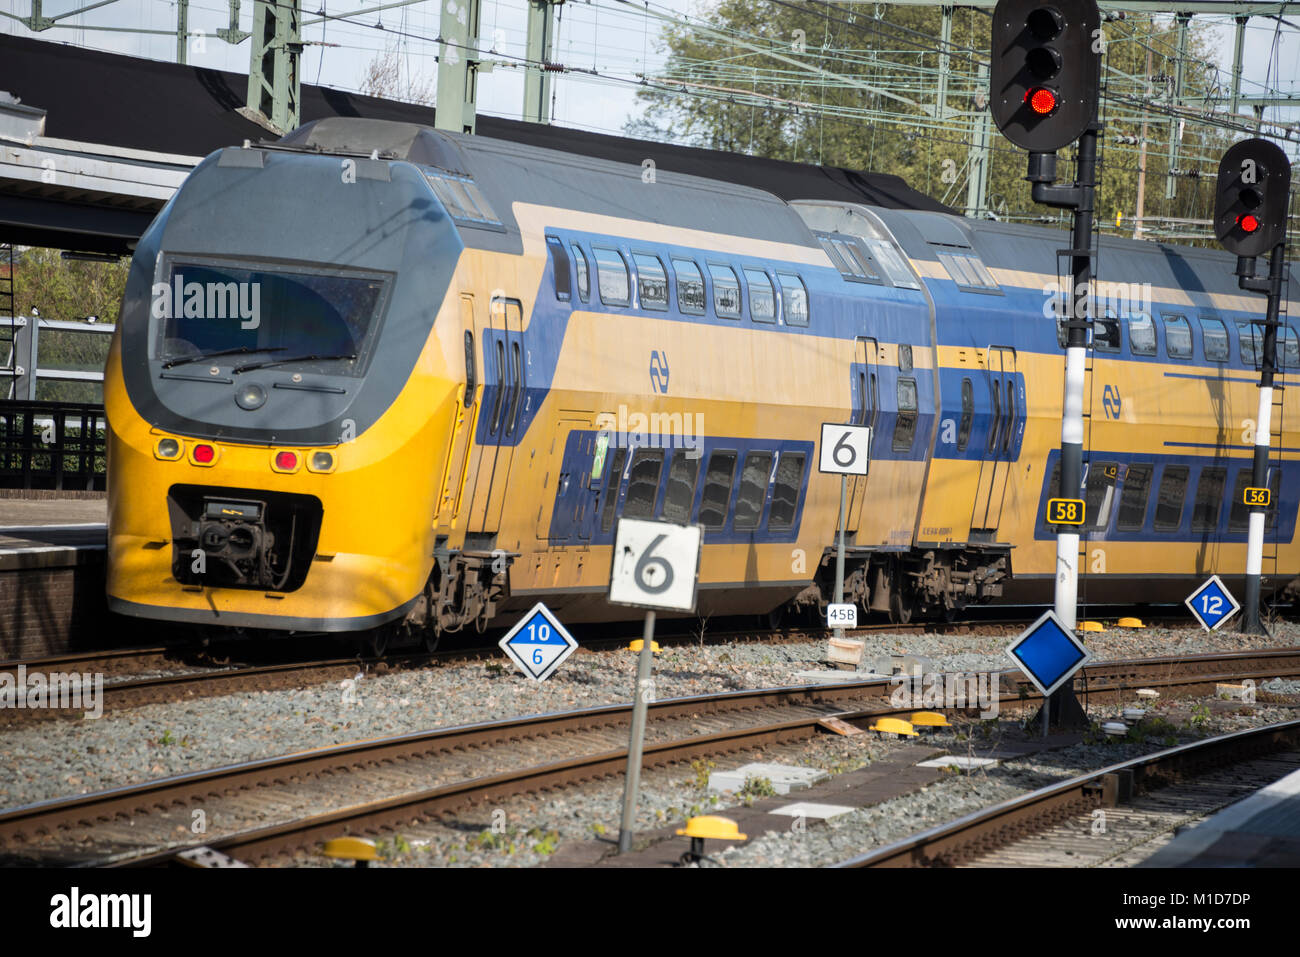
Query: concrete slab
x,y
959,761
821,812
784,777
830,677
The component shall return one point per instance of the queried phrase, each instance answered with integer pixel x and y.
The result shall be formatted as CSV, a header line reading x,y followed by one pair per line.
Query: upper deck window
x,y
794,299
1178,337
690,287
762,300
651,281
726,291
611,276
1214,338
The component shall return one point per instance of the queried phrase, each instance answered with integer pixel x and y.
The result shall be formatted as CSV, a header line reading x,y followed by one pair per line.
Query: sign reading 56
x,y
1065,511
1260,497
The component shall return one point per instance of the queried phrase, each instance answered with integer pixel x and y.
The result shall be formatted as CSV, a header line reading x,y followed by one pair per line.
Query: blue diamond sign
x,y
1048,653
538,643
1212,604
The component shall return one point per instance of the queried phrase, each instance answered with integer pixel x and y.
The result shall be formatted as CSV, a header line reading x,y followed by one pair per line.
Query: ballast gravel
x,y
49,759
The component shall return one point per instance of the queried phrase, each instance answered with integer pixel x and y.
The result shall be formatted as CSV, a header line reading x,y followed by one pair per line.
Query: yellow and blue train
x,y
375,375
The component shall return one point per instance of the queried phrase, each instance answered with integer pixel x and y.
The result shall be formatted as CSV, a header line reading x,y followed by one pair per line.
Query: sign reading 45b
x,y
845,449
655,565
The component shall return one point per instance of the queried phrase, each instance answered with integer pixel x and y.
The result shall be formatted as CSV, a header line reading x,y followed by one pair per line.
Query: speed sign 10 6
x,y
845,449
655,565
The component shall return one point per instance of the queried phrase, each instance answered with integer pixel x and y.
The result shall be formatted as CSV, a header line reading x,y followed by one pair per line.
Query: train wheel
x,y
432,639
901,607
376,643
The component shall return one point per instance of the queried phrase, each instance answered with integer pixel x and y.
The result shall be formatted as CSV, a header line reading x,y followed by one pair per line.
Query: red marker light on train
x,y
204,454
286,462
1041,100
1247,222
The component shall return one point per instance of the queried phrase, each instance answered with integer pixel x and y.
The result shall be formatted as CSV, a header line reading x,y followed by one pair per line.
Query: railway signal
x,y
1044,84
1045,71
1250,219
1254,190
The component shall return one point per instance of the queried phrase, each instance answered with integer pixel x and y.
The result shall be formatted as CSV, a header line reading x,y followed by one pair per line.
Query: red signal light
x,y
1041,100
1247,222
286,461
203,454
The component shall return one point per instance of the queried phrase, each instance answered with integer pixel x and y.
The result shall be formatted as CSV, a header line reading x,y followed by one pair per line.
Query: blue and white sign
x,y
538,644
1048,653
1212,604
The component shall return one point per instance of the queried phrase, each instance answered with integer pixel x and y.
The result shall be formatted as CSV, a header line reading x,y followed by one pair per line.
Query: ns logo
x,y
1110,402
659,372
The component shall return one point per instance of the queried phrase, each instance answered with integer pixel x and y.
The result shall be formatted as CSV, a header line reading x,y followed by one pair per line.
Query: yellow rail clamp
x,y
929,719
640,643
894,726
710,826
1093,626
357,849
1129,623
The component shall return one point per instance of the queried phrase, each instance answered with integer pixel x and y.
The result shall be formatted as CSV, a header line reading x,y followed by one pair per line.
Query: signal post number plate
x,y
1257,496
841,616
845,449
1065,511
655,565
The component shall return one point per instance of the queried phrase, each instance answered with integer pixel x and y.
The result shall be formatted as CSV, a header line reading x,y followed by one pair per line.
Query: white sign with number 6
x,y
655,565
846,449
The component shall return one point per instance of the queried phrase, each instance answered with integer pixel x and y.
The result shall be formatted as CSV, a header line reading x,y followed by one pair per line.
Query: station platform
x,y
1261,831
51,574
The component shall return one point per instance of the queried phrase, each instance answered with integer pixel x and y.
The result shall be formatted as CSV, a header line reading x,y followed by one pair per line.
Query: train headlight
x,y
168,449
250,396
285,461
321,462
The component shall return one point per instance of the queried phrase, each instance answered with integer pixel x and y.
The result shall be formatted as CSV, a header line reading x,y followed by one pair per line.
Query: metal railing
x,y
52,445
22,365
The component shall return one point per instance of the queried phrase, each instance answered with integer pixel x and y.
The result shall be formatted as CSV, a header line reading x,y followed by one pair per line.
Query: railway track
x,y
273,807
1141,801
191,671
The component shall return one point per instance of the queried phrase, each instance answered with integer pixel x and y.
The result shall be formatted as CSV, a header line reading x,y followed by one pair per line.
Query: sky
x,y
616,38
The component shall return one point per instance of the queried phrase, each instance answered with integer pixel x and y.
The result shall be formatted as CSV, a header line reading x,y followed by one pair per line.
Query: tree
x,y
383,77
873,106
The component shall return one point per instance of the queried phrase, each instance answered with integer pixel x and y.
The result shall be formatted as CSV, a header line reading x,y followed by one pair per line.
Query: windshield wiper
x,y
222,352
275,362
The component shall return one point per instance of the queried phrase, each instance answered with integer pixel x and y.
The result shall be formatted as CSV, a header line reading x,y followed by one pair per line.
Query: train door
x,y
1004,420
504,386
453,488
864,392
579,455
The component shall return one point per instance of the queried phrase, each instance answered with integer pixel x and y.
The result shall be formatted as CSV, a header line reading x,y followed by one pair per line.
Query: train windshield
x,y
205,309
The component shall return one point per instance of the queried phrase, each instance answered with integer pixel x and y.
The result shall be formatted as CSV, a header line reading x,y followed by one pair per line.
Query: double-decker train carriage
x,y
379,375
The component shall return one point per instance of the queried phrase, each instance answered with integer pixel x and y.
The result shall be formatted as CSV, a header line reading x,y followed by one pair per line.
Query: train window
x,y
682,476
1105,332
967,414
643,483
785,492
584,282
753,489
470,382
1288,350
1099,494
888,257
1214,340
611,276
690,287
996,392
836,259
726,291
501,386
1248,337
1142,335
794,299
968,272
612,486
1178,337
717,489
1209,498
762,300
904,358
560,266
1133,501
463,199
905,426
651,282
1169,501
850,257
